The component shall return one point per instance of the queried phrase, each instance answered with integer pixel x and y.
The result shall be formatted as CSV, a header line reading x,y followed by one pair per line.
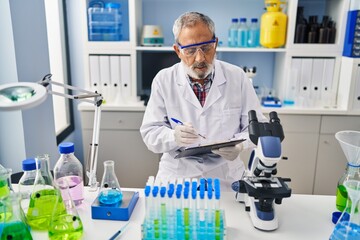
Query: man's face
x,y
197,59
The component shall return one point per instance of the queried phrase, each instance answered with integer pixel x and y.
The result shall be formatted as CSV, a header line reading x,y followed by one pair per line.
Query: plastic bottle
x,y
254,33
233,35
69,168
110,192
242,33
26,182
273,25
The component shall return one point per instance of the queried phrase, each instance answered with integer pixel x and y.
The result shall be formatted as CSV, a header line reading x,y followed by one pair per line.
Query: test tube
x,y
193,208
170,208
201,211
155,192
186,210
163,212
179,222
218,228
210,209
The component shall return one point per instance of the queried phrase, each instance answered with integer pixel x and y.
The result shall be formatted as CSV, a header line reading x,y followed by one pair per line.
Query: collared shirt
x,y
201,90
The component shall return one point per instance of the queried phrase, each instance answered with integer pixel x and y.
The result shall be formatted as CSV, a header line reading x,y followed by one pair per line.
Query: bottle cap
x,y
29,164
66,147
234,20
254,20
242,19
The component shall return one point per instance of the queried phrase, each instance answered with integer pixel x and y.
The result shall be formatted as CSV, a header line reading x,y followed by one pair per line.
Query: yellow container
x,y
273,25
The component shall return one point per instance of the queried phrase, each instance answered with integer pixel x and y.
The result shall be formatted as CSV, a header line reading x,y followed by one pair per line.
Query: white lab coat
x,y
224,116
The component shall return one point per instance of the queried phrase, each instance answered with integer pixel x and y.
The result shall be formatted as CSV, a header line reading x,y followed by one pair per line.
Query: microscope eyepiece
x,y
252,116
274,117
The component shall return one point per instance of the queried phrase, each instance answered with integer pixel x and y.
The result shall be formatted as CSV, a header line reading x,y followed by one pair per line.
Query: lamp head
x,y
21,95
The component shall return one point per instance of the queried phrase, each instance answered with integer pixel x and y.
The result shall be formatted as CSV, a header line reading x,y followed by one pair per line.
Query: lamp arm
x,y
91,174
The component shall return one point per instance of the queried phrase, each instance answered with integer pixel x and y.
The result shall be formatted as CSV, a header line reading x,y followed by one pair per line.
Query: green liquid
x,y
186,217
41,207
16,230
4,188
341,197
66,227
217,218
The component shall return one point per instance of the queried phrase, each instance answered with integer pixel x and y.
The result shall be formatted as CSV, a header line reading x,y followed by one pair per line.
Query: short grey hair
x,y
189,19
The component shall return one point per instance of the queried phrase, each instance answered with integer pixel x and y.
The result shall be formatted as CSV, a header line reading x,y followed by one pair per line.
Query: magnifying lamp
x,y
24,95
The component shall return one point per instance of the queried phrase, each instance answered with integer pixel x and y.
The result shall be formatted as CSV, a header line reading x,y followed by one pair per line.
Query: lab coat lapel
x,y
216,88
185,88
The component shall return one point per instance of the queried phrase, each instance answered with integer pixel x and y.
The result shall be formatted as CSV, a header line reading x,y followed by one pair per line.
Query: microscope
x,y
259,189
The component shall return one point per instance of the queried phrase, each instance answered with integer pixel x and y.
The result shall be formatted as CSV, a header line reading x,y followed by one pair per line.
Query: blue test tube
x,y
186,210
201,211
171,215
163,213
156,223
179,222
148,230
210,209
219,231
193,208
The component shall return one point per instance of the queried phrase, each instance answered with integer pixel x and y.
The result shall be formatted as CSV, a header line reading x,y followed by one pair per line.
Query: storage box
x,y
104,24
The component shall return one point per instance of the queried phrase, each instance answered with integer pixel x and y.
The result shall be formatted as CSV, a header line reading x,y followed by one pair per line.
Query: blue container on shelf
x,y
105,22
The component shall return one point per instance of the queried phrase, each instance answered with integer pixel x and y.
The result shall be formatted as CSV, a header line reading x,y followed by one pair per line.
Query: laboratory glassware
x,y
4,182
26,182
14,225
69,168
253,33
44,168
232,33
242,33
348,227
350,144
110,192
42,199
67,224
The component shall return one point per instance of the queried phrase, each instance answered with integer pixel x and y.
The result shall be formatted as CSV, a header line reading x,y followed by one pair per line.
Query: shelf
x,y
219,49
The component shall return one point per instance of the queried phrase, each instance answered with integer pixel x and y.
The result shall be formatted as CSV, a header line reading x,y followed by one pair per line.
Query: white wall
x,y
24,58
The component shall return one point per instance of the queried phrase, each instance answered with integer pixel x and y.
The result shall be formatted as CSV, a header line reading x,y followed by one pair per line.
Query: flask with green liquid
x,y
352,172
66,225
14,225
4,182
43,198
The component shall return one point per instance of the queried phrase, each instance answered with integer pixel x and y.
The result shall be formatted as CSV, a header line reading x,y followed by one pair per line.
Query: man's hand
x,y
185,135
229,153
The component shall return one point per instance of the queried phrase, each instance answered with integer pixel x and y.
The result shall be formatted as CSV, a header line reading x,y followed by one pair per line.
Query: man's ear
x,y
176,49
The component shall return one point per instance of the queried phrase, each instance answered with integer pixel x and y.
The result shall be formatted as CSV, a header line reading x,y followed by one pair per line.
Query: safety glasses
x,y
191,49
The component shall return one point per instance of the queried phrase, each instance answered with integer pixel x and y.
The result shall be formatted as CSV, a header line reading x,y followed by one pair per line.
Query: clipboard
x,y
207,148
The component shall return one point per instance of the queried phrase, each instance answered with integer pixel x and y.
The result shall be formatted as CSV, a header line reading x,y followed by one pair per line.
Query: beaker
x,y
348,227
66,225
110,191
14,225
350,144
44,168
42,199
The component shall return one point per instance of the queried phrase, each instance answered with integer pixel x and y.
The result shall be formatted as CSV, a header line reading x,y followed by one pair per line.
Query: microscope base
x,y
266,221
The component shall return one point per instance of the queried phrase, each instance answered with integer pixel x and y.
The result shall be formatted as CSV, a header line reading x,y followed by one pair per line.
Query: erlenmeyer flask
x,y
350,144
66,225
14,225
110,191
42,199
4,182
348,227
44,168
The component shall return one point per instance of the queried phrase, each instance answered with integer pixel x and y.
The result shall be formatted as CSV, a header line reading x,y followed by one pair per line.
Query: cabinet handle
x,y
120,121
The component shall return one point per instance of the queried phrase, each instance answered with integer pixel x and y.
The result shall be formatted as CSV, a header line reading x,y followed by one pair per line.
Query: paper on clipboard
x,y
204,149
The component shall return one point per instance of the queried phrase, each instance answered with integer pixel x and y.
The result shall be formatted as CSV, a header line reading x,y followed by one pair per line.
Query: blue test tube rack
x,y
183,210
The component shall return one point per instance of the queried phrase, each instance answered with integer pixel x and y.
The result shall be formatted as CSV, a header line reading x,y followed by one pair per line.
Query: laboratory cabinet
x,y
120,141
143,62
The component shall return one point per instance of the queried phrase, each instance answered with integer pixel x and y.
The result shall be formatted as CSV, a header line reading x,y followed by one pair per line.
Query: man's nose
x,y
199,55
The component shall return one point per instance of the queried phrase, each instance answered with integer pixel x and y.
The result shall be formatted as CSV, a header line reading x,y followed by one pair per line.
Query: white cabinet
x,y
120,140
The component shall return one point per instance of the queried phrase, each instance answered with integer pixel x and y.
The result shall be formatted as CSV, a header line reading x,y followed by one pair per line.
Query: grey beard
x,y
189,71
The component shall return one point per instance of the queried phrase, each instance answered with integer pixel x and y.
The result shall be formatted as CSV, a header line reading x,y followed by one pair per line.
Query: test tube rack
x,y
183,210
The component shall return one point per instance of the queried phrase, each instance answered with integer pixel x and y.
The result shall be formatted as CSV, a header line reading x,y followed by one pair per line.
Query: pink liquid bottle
x,y
68,168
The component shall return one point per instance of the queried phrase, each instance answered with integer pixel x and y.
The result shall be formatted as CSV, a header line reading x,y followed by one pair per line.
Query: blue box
x,y
121,212
352,35
104,24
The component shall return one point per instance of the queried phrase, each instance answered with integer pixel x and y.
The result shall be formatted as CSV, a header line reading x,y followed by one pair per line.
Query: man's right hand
x,y
185,135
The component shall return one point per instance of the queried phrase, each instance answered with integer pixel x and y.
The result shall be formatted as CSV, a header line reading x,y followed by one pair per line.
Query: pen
x,y
181,123
118,232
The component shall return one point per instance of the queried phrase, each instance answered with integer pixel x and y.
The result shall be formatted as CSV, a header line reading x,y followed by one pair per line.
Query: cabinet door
x,y
134,163
331,164
300,149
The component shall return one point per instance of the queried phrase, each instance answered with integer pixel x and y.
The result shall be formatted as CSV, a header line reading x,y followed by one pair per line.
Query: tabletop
x,y
300,217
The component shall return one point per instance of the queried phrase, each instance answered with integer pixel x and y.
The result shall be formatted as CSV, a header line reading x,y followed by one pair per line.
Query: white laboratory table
x,y
300,217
